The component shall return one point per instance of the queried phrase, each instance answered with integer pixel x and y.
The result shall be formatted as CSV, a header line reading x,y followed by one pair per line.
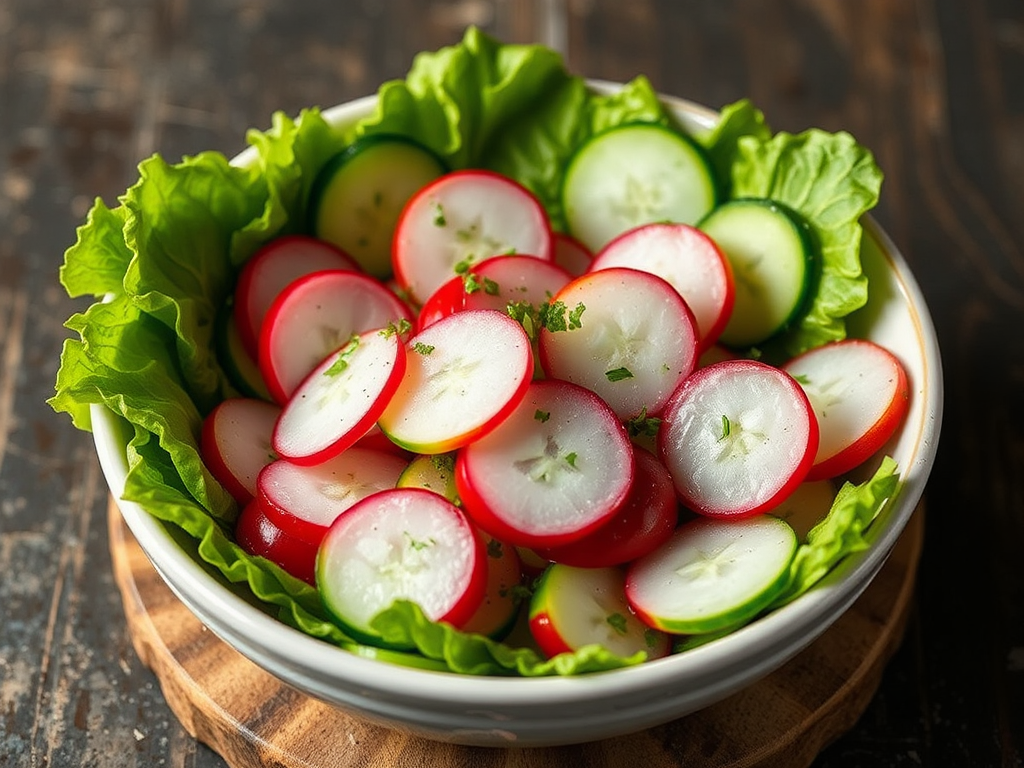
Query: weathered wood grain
x,y
934,87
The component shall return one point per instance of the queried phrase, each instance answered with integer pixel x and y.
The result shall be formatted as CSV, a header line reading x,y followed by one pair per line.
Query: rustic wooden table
x,y
934,87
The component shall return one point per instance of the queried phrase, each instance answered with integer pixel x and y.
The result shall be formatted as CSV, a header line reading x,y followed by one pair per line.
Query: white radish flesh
x,y
341,399
737,438
636,340
236,443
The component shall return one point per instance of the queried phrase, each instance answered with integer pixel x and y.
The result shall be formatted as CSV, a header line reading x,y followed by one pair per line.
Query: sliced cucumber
x,y
435,472
712,574
632,175
357,196
770,251
235,359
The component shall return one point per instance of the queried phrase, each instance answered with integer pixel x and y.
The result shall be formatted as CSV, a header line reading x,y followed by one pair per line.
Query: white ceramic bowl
x,y
548,711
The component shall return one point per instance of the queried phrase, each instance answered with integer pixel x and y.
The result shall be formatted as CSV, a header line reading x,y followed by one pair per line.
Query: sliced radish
x,y
646,519
314,316
304,501
859,393
570,254
341,399
500,606
557,468
688,260
401,544
465,374
236,443
461,219
270,270
258,535
494,284
636,340
712,574
576,607
737,438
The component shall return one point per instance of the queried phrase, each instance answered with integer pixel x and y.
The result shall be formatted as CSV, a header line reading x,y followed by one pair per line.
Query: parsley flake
x,y
726,427
423,349
393,328
344,355
541,416
439,218
618,374
643,425
617,622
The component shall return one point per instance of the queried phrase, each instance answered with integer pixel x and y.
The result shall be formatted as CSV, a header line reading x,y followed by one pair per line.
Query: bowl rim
x,y
316,666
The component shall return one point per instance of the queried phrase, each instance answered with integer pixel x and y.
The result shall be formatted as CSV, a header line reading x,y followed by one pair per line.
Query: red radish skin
x,y
341,399
644,521
315,315
557,468
860,395
466,373
258,535
403,543
570,254
304,501
636,342
235,443
270,270
737,438
463,218
688,260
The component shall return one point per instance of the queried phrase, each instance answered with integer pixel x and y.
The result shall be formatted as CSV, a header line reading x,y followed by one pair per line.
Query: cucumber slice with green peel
x,y
240,366
357,196
712,574
400,544
771,253
635,174
575,607
434,472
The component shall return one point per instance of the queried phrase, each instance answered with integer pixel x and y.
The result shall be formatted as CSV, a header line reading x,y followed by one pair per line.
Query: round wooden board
x,y
253,720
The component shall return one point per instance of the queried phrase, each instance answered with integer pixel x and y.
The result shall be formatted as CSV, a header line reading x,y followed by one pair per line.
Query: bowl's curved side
x,y
549,711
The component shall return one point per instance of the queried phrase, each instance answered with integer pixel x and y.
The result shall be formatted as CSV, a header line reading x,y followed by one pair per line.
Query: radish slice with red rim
x,y
499,608
860,394
401,544
646,519
737,438
341,399
557,468
570,254
236,443
304,501
461,219
270,270
261,536
314,316
465,374
688,260
634,340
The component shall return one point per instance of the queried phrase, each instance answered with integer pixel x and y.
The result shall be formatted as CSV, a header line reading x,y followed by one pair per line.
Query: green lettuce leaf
x,y
841,533
831,181
404,625
95,265
721,143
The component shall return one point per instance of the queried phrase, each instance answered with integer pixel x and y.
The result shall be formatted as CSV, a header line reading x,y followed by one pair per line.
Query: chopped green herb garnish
x,y
398,327
439,218
643,425
443,462
541,416
423,349
344,355
490,287
650,638
803,379
617,622
552,316
494,549
462,267
618,374
726,427
575,315
417,544
570,459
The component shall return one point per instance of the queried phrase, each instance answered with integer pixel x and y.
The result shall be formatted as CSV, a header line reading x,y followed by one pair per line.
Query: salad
x,y
171,263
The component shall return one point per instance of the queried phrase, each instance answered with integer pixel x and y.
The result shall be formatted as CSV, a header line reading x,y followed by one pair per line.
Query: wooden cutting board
x,y
254,721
